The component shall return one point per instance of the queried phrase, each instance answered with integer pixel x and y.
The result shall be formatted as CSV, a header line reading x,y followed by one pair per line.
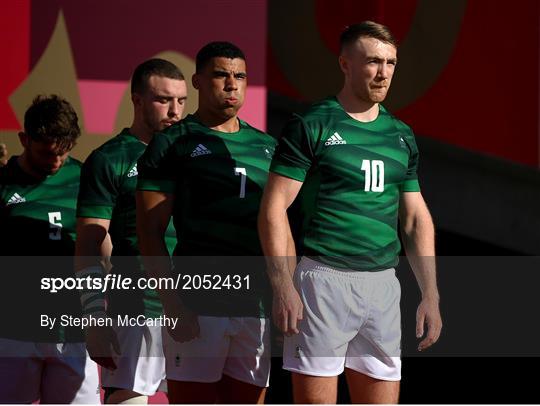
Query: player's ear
x,y
23,138
136,99
343,64
195,81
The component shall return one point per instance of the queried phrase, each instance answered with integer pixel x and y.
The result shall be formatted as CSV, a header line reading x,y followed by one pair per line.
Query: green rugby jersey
x,y
353,174
108,183
37,219
217,179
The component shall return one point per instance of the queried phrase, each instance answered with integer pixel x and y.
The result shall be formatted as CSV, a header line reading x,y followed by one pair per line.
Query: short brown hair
x,y
52,119
368,29
153,67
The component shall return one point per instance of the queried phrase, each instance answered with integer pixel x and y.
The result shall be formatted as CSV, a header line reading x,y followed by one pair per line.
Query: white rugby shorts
x,y
238,347
351,319
141,366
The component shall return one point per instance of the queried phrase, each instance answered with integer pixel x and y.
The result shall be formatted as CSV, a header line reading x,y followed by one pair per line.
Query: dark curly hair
x,y
52,119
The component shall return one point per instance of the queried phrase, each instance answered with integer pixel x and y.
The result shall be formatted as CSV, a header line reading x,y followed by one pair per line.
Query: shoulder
x,y
318,116
259,134
399,124
73,163
122,146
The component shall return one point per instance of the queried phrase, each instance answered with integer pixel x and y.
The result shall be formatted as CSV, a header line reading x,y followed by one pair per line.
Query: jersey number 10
x,y
374,175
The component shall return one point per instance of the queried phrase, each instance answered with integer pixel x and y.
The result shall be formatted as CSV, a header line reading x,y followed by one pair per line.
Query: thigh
x,y
69,376
248,359
233,391
21,367
365,389
181,392
308,389
141,366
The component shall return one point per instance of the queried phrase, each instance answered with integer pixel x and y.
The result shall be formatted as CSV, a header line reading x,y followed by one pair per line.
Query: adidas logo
x,y
133,172
16,198
335,139
200,150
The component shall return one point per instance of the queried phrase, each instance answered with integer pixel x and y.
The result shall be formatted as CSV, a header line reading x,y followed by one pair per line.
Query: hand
x,y
287,309
3,154
100,343
428,314
188,325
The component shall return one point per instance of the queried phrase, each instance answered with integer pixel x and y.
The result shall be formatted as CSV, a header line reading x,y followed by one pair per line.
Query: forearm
x,y
153,216
419,243
277,244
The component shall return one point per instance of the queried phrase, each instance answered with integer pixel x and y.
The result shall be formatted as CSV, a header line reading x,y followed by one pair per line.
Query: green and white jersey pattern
x,y
37,218
353,174
108,184
217,180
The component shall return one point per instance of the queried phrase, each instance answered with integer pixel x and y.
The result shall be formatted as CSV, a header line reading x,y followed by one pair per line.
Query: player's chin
x,y
166,124
231,111
378,96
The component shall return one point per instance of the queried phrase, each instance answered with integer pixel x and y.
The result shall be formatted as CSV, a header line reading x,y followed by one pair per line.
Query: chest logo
x,y
335,139
402,142
133,172
200,150
268,153
15,199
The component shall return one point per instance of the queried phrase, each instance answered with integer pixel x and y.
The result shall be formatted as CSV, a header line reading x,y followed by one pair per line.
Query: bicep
x,y
412,209
154,210
93,239
280,191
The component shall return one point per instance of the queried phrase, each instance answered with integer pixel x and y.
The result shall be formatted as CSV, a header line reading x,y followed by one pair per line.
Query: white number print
x,y
374,175
243,174
55,226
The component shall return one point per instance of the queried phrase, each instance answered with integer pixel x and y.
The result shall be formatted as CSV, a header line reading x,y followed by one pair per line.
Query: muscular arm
x,y
93,242
278,247
419,242
93,248
154,210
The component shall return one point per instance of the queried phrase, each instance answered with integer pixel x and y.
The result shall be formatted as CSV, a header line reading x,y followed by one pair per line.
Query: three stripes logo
x,y
200,150
335,139
133,172
15,199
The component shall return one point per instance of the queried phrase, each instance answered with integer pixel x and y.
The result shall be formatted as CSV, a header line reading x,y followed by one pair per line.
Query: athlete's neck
x,y
225,125
356,108
22,161
139,130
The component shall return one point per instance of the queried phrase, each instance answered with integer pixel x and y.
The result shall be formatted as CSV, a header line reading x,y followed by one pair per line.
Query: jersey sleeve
x,y
156,166
410,183
98,188
295,153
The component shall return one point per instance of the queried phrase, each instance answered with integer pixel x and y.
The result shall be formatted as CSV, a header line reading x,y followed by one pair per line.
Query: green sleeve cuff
x,y
95,212
295,173
410,185
153,185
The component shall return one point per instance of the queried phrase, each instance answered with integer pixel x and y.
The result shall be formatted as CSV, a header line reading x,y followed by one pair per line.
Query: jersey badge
x,y
402,142
200,150
335,139
15,199
268,153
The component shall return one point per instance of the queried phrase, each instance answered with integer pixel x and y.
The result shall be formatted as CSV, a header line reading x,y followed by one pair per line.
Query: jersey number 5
x,y
374,175
55,227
